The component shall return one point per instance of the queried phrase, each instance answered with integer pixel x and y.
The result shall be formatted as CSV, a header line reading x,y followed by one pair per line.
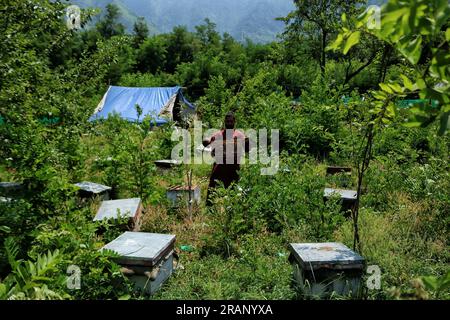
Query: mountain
x,y
254,19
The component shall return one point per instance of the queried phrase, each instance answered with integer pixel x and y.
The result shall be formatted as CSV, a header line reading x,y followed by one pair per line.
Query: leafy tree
x,y
140,32
419,32
43,156
124,58
109,25
152,55
228,43
316,22
408,27
180,47
209,37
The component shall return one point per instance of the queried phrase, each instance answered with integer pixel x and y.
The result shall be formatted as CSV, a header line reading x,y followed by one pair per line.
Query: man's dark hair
x,y
230,120
230,114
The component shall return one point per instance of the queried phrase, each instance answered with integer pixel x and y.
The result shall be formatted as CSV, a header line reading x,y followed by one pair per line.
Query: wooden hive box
x,y
146,258
331,170
179,194
92,190
323,268
166,164
11,189
131,208
348,197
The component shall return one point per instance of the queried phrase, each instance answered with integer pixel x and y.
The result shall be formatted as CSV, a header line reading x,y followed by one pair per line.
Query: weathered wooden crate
x,y
146,258
124,208
167,164
348,197
331,170
323,268
92,190
180,194
11,189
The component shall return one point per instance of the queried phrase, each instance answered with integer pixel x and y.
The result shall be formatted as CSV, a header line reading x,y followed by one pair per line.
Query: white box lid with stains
x,y
126,207
330,255
141,248
344,194
92,187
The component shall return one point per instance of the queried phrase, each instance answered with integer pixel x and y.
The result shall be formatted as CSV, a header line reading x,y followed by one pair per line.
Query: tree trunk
x,y
323,57
362,167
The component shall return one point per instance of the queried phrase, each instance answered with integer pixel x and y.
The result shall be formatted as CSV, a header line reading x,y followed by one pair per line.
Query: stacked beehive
x,y
146,258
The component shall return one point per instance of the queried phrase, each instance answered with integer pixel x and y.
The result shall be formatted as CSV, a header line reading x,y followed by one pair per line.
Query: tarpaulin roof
x,y
153,101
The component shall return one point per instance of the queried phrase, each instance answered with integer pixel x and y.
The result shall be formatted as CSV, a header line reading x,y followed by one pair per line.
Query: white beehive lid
x,y
344,194
168,163
331,255
125,207
141,248
92,187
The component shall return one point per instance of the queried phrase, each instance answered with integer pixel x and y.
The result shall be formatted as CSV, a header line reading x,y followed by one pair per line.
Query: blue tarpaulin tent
x,y
163,104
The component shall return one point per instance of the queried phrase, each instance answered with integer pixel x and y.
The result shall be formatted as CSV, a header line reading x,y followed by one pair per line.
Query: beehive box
x,y
146,258
331,170
180,194
323,268
91,189
11,189
166,164
112,209
348,197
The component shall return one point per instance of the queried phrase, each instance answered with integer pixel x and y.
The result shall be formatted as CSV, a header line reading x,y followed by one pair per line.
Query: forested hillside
x,y
340,91
253,19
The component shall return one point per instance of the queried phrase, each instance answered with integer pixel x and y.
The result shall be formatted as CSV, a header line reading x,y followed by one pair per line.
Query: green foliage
x,y
237,246
316,22
152,54
101,279
410,27
145,80
275,203
140,29
210,106
258,271
109,25
437,285
30,279
132,147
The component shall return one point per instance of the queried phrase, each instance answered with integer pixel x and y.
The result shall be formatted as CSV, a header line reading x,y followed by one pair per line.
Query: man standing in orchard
x,y
227,147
